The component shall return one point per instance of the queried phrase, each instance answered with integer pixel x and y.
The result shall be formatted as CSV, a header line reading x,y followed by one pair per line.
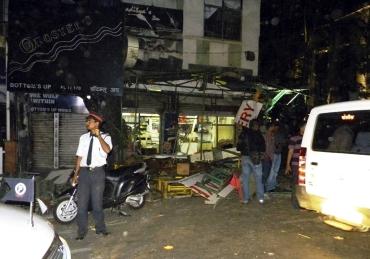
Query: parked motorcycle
x,y
126,185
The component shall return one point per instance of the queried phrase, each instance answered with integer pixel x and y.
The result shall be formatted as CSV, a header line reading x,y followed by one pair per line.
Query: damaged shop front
x,y
180,117
185,130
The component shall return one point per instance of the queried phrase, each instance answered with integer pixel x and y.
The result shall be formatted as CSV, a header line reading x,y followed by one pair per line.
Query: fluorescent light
x,y
154,88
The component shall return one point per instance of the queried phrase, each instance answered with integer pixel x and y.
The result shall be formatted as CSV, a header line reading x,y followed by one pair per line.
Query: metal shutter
x,y
42,128
71,127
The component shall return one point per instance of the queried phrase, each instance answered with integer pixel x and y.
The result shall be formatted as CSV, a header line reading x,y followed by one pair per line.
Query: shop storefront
x,y
192,134
168,122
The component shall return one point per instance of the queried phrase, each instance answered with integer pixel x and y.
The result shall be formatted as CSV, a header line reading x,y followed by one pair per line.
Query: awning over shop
x,y
272,95
193,87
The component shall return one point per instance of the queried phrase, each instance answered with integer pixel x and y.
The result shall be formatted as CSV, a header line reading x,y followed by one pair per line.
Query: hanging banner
x,y
65,47
248,111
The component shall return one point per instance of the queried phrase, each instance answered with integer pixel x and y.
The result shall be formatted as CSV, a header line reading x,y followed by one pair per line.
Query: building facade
x,y
197,33
166,44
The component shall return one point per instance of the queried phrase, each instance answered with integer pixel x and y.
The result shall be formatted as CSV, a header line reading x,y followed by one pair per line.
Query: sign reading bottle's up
x,y
65,47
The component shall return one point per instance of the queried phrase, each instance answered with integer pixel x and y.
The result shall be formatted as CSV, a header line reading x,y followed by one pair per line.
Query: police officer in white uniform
x,y
92,152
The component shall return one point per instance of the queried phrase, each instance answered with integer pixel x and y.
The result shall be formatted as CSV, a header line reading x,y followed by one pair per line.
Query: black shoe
x,y
80,236
103,233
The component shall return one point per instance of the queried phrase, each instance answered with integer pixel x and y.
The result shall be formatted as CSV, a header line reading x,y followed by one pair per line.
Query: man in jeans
x,y
251,144
269,153
92,152
278,142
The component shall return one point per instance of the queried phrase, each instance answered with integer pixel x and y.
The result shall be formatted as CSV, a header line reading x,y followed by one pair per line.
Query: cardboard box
x,y
183,168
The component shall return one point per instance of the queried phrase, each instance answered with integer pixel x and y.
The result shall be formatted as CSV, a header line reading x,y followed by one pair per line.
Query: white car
x,y
19,239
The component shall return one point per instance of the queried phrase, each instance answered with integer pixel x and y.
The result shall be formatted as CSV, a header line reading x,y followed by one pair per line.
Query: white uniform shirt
x,y
98,156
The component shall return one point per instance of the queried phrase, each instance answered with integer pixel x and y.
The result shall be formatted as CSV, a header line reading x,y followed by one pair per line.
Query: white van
x,y
334,166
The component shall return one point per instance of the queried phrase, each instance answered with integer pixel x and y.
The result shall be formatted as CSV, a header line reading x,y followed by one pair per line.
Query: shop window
x,y
193,133
225,136
222,19
225,132
130,118
188,137
144,130
199,133
226,120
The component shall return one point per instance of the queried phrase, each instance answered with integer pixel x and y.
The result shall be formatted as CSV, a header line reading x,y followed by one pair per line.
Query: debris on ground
x,y
304,236
168,247
339,238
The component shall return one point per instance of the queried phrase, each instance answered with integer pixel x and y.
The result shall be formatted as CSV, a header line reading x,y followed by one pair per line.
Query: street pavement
x,y
188,228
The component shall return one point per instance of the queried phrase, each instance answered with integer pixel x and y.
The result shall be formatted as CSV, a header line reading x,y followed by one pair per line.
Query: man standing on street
x,y
278,141
252,146
292,162
93,149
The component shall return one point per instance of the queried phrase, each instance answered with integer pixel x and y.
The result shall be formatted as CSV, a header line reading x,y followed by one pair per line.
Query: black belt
x,y
91,168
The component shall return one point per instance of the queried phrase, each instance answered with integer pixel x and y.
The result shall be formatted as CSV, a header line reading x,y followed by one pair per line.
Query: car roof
x,y
342,106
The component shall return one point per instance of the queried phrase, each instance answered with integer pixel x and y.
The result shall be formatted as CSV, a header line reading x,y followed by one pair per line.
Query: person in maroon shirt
x,y
293,160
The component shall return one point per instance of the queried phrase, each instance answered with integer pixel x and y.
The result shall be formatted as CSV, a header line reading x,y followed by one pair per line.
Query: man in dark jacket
x,y
251,144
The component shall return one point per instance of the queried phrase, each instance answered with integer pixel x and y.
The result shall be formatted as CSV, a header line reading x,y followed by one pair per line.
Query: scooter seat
x,y
115,174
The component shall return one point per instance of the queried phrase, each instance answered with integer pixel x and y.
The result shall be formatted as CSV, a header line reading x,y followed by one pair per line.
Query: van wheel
x,y
363,229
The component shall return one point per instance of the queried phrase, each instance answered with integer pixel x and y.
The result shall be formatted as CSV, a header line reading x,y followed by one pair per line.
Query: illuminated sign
x,y
348,117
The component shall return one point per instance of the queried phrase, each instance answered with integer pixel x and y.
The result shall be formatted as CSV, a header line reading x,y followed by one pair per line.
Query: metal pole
x,y
204,85
6,85
5,5
121,152
1,162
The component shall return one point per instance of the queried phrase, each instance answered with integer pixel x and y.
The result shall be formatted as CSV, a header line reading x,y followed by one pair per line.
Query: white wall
x,y
218,49
251,33
193,18
193,29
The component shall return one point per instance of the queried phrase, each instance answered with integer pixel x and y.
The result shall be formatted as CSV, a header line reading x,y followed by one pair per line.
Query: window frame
x,y
223,35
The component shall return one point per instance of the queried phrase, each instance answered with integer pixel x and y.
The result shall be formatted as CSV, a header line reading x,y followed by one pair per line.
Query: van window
x,y
343,132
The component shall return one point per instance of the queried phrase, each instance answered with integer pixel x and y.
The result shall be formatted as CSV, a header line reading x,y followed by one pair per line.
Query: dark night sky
x,y
287,16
